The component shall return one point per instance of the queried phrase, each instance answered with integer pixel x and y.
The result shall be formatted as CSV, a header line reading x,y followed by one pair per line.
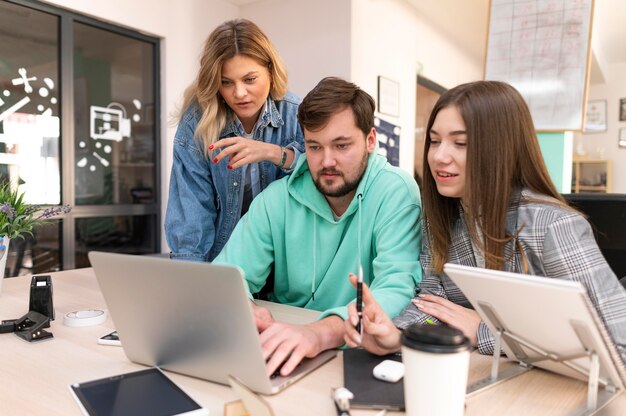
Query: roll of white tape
x,y
85,317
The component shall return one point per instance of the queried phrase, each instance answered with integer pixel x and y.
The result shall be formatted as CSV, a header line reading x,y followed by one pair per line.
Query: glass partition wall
x,y
79,126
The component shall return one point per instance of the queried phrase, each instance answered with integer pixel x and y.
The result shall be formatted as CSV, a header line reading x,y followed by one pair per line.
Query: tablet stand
x,y
596,398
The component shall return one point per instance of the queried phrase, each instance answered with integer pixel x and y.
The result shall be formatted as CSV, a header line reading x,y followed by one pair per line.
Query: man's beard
x,y
348,185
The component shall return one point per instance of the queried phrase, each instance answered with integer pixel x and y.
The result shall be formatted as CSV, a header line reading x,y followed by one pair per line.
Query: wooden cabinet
x,y
591,175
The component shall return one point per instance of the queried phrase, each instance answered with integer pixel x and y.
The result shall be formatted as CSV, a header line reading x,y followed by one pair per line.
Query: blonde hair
x,y
231,38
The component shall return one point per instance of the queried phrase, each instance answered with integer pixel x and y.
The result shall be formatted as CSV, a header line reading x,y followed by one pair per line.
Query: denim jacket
x,y
205,198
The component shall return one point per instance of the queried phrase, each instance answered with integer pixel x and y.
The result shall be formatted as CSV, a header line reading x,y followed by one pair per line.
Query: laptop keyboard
x,y
276,372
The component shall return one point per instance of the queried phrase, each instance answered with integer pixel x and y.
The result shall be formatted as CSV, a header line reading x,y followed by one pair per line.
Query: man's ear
x,y
371,140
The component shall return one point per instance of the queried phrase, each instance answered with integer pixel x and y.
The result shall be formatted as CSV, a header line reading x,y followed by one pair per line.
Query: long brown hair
x,y
502,154
231,38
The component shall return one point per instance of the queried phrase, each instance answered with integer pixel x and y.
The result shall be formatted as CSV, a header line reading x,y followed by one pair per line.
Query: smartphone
x,y
110,339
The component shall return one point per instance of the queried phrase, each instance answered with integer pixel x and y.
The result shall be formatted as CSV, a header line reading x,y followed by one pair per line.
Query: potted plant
x,y
18,218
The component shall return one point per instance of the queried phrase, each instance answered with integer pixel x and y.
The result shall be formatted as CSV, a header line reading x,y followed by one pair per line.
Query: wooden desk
x,y
34,378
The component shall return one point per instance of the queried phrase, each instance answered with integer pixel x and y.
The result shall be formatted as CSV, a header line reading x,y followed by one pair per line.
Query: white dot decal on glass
x,y
82,163
49,82
82,144
92,168
136,118
6,93
107,149
40,107
98,145
43,92
137,104
396,131
102,160
53,100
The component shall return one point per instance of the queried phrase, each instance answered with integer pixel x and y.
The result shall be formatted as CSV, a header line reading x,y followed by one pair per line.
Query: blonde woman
x,y
237,133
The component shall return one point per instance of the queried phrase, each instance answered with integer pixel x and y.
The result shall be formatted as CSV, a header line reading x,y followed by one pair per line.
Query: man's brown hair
x,y
332,95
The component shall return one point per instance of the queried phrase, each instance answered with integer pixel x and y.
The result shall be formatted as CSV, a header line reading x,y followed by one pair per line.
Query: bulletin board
x,y
542,48
388,136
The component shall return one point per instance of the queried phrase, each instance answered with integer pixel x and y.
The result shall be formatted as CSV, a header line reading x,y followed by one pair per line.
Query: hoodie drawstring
x,y
314,257
359,198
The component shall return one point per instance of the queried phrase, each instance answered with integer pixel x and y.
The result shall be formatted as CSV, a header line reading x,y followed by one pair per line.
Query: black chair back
x,y
607,215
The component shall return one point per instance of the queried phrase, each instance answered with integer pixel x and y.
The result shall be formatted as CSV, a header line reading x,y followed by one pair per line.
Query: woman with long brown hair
x,y
489,202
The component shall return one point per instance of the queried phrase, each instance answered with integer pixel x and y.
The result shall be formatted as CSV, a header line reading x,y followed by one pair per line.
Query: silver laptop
x,y
192,318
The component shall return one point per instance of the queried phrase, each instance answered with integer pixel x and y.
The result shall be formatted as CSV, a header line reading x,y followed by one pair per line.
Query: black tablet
x,y
146,392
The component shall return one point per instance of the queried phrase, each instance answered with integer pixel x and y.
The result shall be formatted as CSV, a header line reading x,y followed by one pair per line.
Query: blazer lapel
x,y
463,251
512,256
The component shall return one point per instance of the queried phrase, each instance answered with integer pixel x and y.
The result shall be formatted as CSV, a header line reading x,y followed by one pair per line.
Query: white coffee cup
x,y
436,361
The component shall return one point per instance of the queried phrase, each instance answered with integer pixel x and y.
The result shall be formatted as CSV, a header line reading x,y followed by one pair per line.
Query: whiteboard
x,y
542,48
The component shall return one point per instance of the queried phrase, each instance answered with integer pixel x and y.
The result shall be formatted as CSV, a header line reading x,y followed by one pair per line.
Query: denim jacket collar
x,y
269,115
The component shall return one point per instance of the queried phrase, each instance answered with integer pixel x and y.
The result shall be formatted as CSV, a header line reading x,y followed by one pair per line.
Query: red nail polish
x,y
211,147
229,167
215,160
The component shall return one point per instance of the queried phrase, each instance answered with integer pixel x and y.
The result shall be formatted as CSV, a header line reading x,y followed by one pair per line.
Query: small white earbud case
x,y
389,370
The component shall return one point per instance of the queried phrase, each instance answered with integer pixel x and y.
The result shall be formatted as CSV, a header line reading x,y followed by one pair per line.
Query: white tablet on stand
x,y
546,323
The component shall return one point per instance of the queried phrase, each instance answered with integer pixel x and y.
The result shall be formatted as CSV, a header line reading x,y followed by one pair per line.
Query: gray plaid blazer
x,y
558,243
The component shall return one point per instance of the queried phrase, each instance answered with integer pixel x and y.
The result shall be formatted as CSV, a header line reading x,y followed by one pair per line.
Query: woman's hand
x,y
380,335
464,319
241,151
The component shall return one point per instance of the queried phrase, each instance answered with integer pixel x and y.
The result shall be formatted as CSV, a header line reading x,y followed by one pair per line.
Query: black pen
x,y
359,300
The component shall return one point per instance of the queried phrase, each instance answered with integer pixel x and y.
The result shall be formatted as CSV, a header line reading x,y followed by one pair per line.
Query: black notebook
x,y
369,392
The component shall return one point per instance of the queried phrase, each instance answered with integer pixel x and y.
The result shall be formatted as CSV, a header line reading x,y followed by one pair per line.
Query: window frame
x,y
67,140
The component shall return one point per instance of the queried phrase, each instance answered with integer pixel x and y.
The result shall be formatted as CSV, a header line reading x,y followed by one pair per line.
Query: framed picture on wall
x,y
622,137
388,97
595,119
622,109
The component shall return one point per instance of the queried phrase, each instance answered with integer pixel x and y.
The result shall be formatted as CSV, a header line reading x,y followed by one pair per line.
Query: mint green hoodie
x,y
290,227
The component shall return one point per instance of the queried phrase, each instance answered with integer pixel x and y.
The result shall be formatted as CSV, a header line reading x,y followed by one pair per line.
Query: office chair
x,y
607,215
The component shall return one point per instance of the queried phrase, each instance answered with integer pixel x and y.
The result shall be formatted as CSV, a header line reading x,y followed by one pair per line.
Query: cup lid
x,y
435,338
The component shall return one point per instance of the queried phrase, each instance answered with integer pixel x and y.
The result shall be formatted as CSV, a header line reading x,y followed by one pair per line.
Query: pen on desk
x,y
359,300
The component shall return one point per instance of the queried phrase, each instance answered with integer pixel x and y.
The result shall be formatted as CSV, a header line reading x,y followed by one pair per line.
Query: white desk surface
x,y
34,378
